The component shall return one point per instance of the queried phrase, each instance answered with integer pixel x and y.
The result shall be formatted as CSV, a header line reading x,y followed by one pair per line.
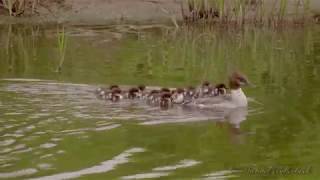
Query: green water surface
x,y
50,127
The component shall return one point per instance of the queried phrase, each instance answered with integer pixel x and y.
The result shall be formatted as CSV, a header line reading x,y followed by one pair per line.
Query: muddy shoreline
x,y
105,12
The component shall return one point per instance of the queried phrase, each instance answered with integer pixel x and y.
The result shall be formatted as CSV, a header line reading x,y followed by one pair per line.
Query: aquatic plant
x,y
239,12
18,7
62,43
15,7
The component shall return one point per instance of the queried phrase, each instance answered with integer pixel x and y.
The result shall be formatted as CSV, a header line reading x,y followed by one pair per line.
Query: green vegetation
x,y
62,43
239,12
17,7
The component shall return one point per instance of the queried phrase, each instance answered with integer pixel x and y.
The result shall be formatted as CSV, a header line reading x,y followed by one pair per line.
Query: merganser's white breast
x,y
238,98
235,99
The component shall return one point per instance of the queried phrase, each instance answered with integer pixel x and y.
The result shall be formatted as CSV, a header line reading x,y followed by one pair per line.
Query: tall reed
x,y
240,12
18,7
282,10
62,44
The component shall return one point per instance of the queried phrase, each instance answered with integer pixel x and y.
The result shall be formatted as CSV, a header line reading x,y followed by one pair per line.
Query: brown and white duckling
x,y
115,95
142,91
165,100
191,93
178,96
220,89
133,93
206,89
104,93
137,92
163,90
153,97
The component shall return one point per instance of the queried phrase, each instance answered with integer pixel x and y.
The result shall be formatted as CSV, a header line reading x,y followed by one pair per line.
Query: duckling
x,y
191,93
165,90
133,93
165,100
115,95
142,94
105,93
141,87
220,89
101,92
111,87
153,97
136,92
178,96
205,89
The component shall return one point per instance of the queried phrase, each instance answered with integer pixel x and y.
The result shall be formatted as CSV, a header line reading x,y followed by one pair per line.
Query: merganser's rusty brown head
x,y
236,80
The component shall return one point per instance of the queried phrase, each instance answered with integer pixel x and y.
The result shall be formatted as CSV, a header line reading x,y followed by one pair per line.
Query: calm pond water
x,y
53,127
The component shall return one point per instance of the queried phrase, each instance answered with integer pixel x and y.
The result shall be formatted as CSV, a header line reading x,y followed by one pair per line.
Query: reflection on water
x,y
52,126
83,104
163,171
103,167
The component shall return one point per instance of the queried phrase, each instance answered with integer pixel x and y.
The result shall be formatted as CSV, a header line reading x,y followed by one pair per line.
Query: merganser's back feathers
x,y
236,97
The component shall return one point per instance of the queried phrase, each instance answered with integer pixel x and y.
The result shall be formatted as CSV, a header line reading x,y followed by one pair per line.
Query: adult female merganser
x,y
236,97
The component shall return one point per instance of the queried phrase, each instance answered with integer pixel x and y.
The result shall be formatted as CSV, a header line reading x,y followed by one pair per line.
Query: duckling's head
x,y
165,90
116,94
206,84
112,87
178,96
190,91
205,87
236,80
141,87
180,90
133,93
165,99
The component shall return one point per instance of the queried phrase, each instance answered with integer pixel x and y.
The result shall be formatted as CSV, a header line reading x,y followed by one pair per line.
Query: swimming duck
x,y
191,93
236,97
153,97
178,96
142,91
133,93
165,100
220,89
159,97
115,95
136,92
105,93
205,89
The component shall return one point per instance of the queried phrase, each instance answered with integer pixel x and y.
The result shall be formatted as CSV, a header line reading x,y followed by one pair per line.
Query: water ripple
x,y
19,173
101,168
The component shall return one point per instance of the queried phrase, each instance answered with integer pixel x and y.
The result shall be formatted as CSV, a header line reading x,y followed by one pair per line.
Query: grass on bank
x,y
240,12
